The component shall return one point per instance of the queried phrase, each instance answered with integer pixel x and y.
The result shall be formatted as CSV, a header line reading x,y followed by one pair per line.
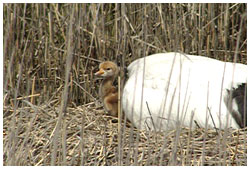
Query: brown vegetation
x,y
51,111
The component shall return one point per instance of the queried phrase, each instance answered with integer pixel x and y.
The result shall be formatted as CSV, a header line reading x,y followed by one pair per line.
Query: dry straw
x,y
50,54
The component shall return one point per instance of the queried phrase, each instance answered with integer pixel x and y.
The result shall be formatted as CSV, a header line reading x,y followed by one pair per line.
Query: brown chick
x,y
108,93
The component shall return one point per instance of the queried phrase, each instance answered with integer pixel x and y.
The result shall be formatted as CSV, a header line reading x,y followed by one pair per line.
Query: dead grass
x,y
92,139
51,115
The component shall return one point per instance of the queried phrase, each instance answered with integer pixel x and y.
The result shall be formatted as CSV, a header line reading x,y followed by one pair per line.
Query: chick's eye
x,y
108,68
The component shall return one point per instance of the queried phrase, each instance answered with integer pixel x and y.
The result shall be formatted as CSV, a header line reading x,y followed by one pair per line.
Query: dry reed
x,y
50,54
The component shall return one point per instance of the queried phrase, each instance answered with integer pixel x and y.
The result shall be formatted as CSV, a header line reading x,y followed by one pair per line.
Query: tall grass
x,y
51,51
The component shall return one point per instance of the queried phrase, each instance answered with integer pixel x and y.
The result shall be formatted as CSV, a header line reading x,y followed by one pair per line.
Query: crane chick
x,y
108,93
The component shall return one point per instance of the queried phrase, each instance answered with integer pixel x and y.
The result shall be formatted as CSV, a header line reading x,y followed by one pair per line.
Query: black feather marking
x,y
239,94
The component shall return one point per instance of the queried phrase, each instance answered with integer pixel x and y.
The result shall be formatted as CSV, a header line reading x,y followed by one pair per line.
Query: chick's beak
x,y
99,73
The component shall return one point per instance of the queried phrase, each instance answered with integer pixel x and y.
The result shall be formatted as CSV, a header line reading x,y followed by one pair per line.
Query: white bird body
x,y
179,89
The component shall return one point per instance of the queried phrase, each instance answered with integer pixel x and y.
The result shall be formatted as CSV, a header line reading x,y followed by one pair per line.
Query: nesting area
x,y
51,52
89,137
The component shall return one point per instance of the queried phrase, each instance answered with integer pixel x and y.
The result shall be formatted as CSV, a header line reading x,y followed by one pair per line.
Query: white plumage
x,y
168,90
